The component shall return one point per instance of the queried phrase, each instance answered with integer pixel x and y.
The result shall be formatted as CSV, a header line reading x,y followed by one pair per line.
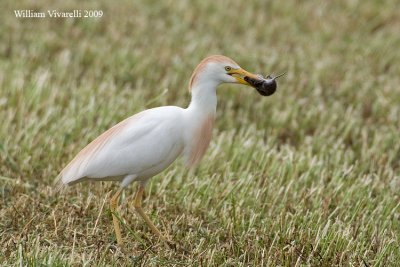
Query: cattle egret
x,y
146,143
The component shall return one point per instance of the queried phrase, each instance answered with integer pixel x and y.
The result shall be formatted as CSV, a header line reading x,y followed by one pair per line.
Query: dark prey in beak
x,y
265,87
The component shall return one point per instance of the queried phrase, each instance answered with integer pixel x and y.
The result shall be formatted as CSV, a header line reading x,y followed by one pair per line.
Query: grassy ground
x,y
308,176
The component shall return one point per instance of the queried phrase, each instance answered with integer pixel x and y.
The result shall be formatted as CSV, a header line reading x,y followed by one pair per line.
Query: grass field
x,y
307,177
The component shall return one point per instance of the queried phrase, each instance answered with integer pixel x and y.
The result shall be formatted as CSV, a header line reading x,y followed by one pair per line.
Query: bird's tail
x,y
59,185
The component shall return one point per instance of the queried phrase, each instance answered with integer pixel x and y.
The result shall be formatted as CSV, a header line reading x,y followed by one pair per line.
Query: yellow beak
x,y
239,75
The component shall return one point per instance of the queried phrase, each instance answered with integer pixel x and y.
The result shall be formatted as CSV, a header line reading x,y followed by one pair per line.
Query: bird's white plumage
x,y
142,145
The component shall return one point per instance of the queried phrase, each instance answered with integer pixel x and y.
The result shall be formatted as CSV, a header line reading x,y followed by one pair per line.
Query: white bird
x,y
146,143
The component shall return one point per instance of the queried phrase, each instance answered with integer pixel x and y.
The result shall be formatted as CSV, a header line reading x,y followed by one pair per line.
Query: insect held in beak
x,y
265,87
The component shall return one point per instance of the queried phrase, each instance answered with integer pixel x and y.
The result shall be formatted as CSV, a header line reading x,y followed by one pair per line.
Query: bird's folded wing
x,y
131,146
105,147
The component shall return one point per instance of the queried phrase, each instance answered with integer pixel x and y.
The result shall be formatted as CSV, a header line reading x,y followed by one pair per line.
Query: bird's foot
x,y
177,247
171,245
117,249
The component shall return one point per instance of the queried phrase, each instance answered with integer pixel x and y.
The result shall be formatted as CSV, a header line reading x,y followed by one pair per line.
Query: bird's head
x,y
219,69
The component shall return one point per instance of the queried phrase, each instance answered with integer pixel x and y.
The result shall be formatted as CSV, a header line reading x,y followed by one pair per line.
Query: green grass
x,y
307,177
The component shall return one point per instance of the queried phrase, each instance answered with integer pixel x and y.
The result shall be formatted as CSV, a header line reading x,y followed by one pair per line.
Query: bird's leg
x,y
113,207
138,207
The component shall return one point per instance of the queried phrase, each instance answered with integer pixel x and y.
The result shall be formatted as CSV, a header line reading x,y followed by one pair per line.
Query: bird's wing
x,y
134,144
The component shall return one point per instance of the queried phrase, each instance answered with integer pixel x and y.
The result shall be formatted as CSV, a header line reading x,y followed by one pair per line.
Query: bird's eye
x,y
227,68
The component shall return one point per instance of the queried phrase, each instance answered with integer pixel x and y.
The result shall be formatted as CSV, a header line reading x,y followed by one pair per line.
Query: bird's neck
x,y
200,120
204,97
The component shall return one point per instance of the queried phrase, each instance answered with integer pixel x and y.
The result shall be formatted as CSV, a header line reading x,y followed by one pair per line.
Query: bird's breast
x,y
199,139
